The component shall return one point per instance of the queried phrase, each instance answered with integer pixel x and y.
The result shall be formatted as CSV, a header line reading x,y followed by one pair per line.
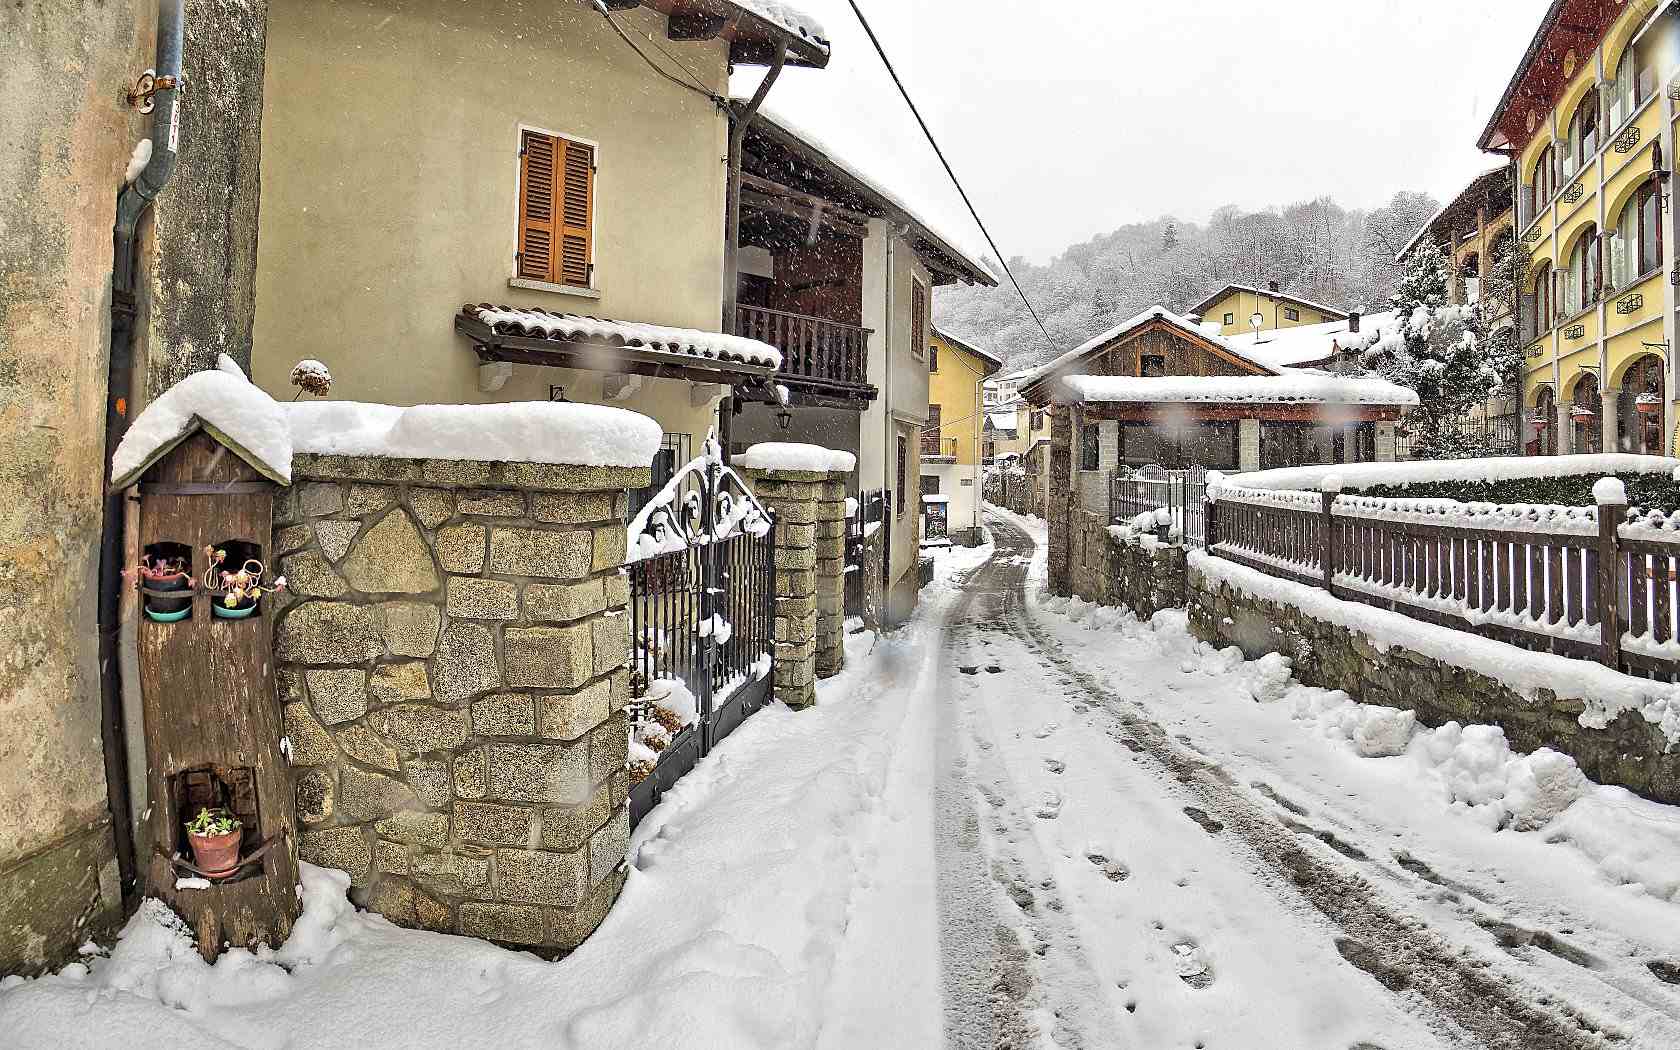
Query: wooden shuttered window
x,y
918,317
556,210
930,433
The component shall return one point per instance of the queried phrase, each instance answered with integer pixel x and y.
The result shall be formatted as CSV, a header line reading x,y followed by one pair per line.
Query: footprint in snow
x,y
1192,965
1113,870
993,669
1081,708
1049,727
969,669
1050,806
1055,765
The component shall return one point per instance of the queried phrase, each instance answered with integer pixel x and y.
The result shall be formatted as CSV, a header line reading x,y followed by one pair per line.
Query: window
x,y
1291,314
1583,133
1545,178
1542,298
930,433
1633,84
1152,365
1090,448
1230,318
556,210
1211,445
1581,280
918,317
1636,246
672,454
1036,422
933,357
903,469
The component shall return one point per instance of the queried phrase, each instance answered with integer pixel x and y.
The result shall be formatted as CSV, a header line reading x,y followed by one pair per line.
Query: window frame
x,y
921,301
933,357
1090,447
1584,141
1632,248
591,290
1291,314
1230,319
1543,288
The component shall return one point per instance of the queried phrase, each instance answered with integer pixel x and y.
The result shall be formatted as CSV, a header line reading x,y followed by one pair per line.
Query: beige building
x,y
1235,308
570,183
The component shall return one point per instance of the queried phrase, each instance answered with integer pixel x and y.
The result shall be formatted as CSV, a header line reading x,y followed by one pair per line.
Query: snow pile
x,y
514,432
1292,388
580,328
225,402
793,455
1357,476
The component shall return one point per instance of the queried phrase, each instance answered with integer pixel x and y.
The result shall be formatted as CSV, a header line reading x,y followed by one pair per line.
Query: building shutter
x,y
537,163
1526,310
930,433
577,249
918,317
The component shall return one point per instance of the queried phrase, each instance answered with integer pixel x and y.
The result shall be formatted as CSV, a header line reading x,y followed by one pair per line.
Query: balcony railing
x,y
814,349
934,446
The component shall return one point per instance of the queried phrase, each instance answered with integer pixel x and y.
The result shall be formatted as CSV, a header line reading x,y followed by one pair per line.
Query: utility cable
x,y
996,251
697,87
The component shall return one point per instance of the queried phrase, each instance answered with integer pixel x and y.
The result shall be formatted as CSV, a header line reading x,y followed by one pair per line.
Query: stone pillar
x,y
793,496
831,575
1385,441
453,660
1248,444
1565,428
1610,416
1060,500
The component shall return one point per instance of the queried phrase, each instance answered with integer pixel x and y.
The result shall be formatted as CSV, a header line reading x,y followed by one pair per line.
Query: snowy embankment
x,y
1421,774
776,899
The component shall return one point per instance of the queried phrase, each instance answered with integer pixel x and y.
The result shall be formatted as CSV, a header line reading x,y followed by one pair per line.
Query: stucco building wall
x,y
65,137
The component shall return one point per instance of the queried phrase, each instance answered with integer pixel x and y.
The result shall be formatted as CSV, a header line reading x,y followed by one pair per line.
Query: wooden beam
x,y
694,25
606,357
771,188
781,206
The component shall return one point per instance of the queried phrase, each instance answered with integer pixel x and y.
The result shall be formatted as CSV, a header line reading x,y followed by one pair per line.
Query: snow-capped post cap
x,y
1610,492
1213,484
1331,482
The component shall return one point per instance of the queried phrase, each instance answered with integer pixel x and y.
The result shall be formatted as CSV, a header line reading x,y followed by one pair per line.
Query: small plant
x,y
311,377
161,573
211,823
237,590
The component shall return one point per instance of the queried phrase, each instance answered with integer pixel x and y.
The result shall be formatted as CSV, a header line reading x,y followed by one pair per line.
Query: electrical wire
x,y
996,251
697,87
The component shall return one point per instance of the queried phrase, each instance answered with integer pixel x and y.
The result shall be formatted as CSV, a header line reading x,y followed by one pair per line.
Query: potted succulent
x,y
214,836
236,591
163,574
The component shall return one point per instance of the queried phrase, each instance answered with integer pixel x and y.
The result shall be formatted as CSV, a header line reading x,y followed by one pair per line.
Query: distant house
x,y
1469,229
1162,390
1234,307
953,436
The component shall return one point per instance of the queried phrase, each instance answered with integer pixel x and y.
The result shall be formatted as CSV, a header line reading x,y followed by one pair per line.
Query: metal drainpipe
x,y
132,202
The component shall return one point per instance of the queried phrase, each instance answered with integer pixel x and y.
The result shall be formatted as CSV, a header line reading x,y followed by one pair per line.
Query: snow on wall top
x,y
792,455
220,400
788,17
1033,375
1293,388
684,342
267,434
1358,476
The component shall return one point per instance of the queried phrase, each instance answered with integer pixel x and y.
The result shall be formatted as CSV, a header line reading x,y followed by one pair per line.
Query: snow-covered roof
x,y
1154,313
1291,388
964,344
267,434
1481,184
220,401
1201,307
536,323
853,114
1284,347
794,455
1002,420
786,16
1358,476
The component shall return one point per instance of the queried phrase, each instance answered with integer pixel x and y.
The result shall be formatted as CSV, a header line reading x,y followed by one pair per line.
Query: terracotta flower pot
x,y
216,855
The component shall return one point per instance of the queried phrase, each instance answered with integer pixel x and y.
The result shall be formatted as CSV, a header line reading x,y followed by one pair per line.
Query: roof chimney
x,y
1353,321
1271,286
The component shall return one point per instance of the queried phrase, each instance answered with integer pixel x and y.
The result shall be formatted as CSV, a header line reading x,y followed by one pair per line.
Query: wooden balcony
x,y
821,357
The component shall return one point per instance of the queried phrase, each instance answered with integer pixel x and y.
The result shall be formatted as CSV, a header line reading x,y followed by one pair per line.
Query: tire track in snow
x,y
1483,1004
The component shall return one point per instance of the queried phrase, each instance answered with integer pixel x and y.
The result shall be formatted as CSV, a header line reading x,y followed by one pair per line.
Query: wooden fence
x,y
1593,583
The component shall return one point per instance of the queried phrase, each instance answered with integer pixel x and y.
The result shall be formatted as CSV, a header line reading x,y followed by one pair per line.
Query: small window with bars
x,y
556,210
672,456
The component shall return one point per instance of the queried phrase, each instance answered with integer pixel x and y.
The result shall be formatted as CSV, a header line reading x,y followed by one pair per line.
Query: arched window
x,y
1584,406
1542,299
1543,422
1637,250
1633,84
1545,181
1583,133
1639,406
1581,280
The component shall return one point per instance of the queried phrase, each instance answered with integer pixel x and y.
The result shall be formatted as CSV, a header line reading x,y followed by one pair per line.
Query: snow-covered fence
x,y
1595,583
1181,493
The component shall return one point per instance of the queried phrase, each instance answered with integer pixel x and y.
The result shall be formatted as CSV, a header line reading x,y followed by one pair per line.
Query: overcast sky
x,y
1069,118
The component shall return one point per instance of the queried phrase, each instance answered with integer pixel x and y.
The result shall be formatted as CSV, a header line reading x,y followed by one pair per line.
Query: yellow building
x,y
1234,306
1590,126
951,439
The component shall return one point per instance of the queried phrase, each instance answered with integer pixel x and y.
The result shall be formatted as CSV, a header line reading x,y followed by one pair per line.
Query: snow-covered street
x,y
1018,822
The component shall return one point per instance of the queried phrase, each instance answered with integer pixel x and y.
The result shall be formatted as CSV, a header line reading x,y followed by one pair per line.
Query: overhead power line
x,y
908,101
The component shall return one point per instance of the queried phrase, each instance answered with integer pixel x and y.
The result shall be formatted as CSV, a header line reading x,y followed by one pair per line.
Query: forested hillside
x,y
1315,249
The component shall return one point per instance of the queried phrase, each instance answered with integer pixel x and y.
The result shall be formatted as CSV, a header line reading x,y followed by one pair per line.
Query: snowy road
x,y
1156,881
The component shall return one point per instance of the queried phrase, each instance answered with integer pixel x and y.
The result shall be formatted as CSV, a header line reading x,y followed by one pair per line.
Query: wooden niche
x,y
213,726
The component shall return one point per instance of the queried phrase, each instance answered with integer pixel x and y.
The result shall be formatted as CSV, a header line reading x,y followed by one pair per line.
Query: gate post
x,y
831,575
792,495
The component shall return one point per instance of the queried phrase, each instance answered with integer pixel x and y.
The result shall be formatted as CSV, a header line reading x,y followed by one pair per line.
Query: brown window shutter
x,y
538,154
577,247
918,317
930,433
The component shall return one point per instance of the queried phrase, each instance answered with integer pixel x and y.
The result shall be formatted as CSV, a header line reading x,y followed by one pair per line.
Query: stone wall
x,y
453,660
67,137
1629,751
1139,573
830,539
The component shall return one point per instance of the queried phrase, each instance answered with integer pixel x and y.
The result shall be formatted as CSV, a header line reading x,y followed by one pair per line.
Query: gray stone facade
x,y
1629,751
453,658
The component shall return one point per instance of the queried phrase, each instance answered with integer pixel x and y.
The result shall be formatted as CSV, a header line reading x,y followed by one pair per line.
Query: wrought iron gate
x,y
702,606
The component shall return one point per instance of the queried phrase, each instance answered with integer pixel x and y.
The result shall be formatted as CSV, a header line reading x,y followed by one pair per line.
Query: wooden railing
x,y
1594,583
814,349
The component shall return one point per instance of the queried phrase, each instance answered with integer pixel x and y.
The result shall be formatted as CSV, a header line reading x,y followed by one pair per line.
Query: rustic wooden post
x,y
1611,496
1328,490
212,726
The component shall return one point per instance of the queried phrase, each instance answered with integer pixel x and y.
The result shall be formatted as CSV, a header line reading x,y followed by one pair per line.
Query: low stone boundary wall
x,y
452,656
1140,573
1629,750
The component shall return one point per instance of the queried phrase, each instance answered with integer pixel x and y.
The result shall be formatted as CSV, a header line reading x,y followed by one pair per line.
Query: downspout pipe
x,y
133,200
